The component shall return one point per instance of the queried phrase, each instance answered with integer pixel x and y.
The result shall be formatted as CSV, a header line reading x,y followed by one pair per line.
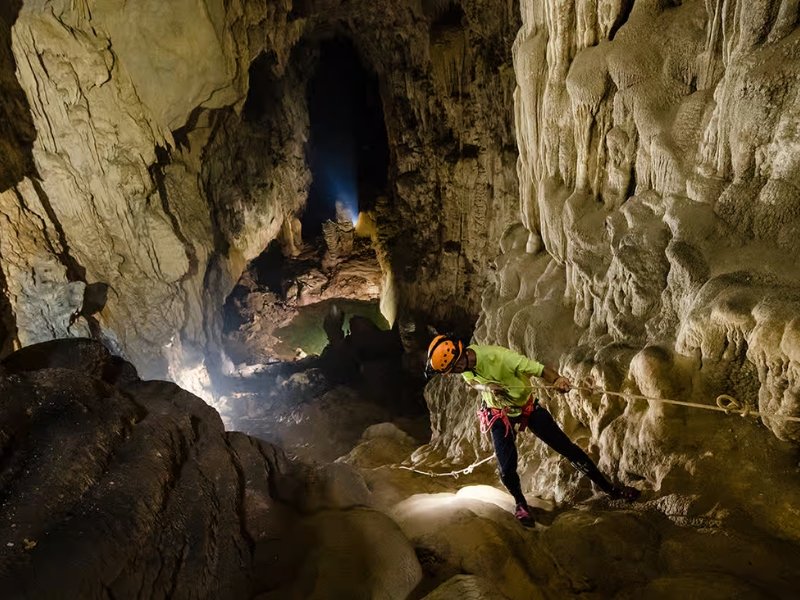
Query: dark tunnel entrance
x,y
348,151
277,310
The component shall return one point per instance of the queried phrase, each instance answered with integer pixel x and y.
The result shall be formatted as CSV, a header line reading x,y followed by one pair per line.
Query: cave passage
x,y
306,331
348,150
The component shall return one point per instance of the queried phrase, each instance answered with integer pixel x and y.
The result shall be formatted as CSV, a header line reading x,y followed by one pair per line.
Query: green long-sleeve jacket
x,y
513,371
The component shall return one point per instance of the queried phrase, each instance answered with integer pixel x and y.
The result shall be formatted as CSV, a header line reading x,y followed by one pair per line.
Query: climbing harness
x,y
724,403
488,416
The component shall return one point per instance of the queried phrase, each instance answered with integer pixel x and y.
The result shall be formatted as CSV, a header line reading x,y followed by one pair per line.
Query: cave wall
x,y
657,252
661,173
16,128
124,100
16,136
150,175
449,104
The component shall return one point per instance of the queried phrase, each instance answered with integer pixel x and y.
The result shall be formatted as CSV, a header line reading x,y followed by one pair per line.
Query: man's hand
x,y
562,384
556,381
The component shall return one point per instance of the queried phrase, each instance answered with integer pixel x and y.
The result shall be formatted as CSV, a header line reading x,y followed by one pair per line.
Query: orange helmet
x,y
443,352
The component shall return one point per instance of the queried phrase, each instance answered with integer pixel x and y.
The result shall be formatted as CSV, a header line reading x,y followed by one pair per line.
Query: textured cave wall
x,y
16,136
124,102
156,180
658,247
449,82
661,173
16,128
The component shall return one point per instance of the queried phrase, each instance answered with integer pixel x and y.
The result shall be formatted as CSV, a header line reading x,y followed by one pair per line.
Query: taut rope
x,y
724,403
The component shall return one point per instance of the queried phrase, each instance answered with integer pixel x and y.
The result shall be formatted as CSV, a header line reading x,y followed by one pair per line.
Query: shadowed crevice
x,y
17,131
622,18
8,327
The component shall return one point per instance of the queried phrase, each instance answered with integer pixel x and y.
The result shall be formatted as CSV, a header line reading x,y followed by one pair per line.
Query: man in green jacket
x,y
503,378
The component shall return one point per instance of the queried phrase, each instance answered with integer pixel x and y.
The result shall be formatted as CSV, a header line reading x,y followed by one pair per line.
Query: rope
x,y
454,474
724,403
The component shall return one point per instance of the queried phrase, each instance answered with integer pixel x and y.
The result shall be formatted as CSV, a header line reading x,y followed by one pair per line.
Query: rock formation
x,y
653,138
16,128
111,485
276,289
169,153
115,486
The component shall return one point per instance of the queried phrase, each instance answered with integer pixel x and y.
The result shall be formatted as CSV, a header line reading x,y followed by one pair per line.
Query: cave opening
x,y
321,262
348,150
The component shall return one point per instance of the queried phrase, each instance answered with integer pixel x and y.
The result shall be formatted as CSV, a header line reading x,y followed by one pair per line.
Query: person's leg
x,y
542,424
505,449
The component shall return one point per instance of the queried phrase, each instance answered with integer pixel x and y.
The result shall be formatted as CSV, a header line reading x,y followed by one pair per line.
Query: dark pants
x,y
543,426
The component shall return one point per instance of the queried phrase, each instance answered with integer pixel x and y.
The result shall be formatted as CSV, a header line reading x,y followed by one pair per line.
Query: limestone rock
x,y
457,535
626,543
101,481
663,214
116,485
469,542
274,293
81,355
46,299
360,554
113,176
148,36
170,151
314,425
655,182
381,444
701,585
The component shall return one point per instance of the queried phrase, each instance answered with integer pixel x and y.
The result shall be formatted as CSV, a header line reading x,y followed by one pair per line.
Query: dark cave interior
x,y
348,156
348,149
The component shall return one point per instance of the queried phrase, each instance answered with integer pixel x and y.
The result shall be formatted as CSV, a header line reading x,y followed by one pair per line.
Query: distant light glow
x,y
188,370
